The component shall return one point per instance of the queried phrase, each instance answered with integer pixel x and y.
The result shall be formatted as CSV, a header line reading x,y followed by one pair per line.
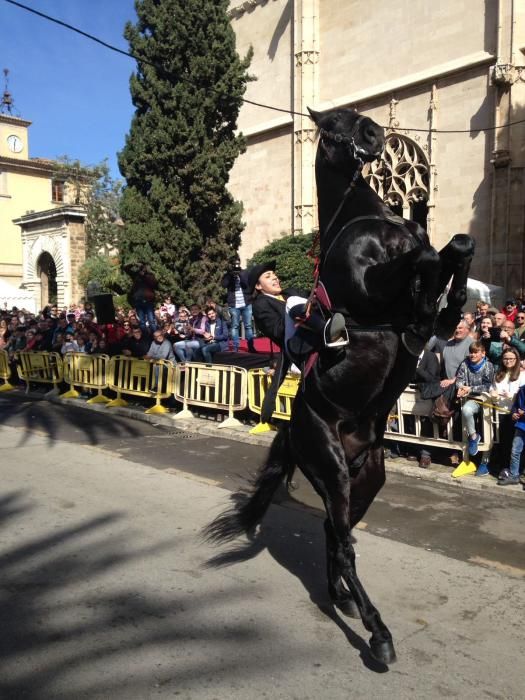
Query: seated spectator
x,y
511,475
160,348
507,382
475,375
69,344
168,307
31,340
58,342
215,336
428,375
137,345
4,333
185,350
485,332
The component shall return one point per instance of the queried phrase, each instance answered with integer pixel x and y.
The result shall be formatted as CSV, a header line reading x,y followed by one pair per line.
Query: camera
x,y
495,334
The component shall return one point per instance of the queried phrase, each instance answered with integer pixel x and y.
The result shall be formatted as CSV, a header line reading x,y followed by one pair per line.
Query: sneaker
x,y
473,445
505,478
482,470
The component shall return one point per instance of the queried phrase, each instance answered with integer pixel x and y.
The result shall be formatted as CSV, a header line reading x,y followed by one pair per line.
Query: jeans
x,y
515,453
469,410
146,312
209,350
246,313
184,349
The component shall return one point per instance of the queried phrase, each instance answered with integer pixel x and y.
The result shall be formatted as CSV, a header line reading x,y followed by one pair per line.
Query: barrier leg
x,y
119,401
99,398
230,422
71,394
52,392
157,408
6,387
184,414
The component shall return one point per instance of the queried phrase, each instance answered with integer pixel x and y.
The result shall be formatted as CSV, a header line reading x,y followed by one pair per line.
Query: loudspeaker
x,y
104,308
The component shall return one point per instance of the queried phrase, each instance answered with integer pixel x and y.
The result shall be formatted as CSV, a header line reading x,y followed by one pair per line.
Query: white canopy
x,y
13,296
479,291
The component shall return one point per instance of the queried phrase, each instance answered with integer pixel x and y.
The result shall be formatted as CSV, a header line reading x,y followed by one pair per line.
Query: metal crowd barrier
x,y
222,387
40,367
5,371
153,380
410,421
88,372
258,383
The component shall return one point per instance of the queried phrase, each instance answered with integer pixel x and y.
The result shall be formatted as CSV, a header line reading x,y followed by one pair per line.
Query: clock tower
x,y
13,137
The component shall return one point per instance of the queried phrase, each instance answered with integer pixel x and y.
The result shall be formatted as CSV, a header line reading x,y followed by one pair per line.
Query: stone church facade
x,y
443,78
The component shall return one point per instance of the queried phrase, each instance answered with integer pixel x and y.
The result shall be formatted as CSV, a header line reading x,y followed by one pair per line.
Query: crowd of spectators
x,y
483,361
174,333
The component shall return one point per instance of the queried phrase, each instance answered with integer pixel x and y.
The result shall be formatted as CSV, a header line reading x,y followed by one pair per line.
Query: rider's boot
x,y
315,332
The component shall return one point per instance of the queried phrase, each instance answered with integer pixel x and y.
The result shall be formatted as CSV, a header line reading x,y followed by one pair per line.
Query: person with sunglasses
x,y
520,324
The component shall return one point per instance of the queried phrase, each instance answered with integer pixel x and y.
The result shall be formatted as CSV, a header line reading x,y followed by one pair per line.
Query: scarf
x,y
475,367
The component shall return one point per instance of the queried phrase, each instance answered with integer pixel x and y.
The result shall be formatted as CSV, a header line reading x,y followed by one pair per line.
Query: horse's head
x,y
347,137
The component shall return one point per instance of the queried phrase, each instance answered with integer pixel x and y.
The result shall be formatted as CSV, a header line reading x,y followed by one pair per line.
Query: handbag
x,y
441,409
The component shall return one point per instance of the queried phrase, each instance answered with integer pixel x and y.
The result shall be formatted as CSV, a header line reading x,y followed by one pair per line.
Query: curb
x,y
436,473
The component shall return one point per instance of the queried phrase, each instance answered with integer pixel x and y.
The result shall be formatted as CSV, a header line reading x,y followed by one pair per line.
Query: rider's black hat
x,y
256,271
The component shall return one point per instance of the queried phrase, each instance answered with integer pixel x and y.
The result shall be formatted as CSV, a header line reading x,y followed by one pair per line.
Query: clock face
x,y
15,143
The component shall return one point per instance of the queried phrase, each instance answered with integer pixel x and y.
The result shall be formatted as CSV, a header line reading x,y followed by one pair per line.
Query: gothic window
x,y
401,178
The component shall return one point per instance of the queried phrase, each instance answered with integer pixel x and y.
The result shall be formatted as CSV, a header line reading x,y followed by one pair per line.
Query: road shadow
x,y
74,625
295,539
34,412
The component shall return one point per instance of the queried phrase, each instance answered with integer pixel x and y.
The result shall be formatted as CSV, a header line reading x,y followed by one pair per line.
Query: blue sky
x,y
75,91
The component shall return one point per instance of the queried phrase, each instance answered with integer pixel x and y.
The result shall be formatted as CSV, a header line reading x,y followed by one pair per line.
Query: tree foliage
x,y
187,92
294,267
92,187
105,271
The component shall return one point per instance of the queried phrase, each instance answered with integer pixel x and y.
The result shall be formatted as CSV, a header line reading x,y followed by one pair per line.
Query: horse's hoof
x,y
383,652
348,607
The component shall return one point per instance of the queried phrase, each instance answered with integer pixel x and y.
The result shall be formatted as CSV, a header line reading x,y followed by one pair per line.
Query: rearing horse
x,y
381,272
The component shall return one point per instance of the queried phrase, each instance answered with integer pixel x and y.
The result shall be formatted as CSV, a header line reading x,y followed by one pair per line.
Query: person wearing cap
x,y
510,310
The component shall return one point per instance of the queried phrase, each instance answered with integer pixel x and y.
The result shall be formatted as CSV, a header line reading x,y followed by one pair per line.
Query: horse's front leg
x,y
419,270
456,258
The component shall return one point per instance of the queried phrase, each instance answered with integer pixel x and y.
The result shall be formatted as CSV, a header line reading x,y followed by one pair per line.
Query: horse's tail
x,y
249,507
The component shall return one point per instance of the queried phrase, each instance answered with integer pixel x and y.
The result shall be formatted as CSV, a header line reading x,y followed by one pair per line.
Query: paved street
x,y
108,591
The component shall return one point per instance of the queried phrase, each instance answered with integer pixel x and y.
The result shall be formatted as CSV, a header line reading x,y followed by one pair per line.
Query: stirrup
x,y
336,325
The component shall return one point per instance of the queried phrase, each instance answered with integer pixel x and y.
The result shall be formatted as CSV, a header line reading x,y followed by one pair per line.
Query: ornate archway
x,y
402,177
47,272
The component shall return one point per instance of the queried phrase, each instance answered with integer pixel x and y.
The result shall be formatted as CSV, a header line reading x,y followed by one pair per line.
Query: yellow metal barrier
x,y
222,387
40,367
128,375
258,383
5,371
87,371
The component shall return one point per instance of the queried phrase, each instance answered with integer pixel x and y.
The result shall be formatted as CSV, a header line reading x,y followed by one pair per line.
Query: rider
x,y
277,313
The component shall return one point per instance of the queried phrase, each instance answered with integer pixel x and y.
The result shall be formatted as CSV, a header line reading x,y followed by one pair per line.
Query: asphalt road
x,y
108,591
482,527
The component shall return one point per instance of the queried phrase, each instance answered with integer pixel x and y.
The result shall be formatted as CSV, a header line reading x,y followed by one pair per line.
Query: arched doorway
x,y
47,272
401,178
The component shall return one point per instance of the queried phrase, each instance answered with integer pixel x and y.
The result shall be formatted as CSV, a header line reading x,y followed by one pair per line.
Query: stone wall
x,y
77,253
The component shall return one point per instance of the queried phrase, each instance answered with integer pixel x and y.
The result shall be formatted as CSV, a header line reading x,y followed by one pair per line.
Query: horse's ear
x,y
315,116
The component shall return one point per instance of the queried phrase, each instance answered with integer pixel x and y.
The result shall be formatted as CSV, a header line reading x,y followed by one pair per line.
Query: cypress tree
x,y
187,90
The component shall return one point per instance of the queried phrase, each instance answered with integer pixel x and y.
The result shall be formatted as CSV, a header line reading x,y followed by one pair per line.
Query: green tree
x,y
294,266
92,187
105,271
179,216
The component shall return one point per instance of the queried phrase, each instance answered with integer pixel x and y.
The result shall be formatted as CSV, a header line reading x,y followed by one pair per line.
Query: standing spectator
x,y
520,324
511,475
510,310
215,336
507,338
142,294
239,304
475,375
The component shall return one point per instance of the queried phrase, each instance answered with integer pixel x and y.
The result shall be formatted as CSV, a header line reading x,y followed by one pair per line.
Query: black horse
x,y
381,272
